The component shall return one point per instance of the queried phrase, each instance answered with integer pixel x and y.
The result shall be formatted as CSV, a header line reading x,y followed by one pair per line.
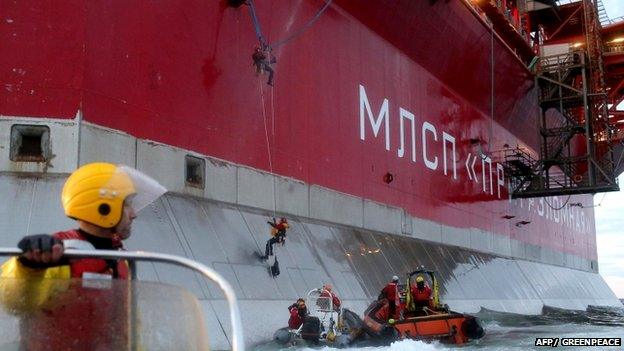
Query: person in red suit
x,y
422,295
326,294
262,60
298,311
390,293
278,236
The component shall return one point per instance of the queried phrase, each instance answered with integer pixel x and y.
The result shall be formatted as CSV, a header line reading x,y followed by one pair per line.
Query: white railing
x,y
238,343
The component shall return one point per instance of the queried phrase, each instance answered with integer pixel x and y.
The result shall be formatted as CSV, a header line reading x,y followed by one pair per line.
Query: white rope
x,y
273,134
273,114
266,133
602,199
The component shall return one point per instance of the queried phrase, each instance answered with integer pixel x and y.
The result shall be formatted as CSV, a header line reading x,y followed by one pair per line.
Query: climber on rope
x,y
278,235
263,60
262,57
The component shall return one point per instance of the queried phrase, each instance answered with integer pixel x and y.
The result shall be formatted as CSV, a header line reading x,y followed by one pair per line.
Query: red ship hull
x,y
380,142
182,74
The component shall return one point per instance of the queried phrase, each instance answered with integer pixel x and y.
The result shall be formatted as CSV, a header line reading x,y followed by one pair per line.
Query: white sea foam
x,y
403,345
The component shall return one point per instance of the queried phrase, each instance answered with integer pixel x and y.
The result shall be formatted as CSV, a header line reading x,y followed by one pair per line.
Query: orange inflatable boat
x,y
418,319
450,327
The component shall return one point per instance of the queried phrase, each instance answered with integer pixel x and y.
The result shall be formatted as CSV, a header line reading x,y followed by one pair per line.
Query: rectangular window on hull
x,y
195,171
30,143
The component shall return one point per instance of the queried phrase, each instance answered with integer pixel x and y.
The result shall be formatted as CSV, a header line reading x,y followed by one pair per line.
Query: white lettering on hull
x,y
429,141
470,167
552,209
405,114
428,127
446,139
572,218
383,115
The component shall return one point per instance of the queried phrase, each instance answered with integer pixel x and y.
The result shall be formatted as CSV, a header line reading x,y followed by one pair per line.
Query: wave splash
x,y
403,345
512,332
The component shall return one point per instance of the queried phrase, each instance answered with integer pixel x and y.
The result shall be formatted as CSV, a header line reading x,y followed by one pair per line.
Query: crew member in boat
x,y
390,292
326,295
421,294
60,313
298,311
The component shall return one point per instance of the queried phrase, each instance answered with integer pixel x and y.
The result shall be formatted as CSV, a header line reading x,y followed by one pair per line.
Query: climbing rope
x,y
273,114
273,135
266,133
557,208
600,202
256,23
266,47
264,43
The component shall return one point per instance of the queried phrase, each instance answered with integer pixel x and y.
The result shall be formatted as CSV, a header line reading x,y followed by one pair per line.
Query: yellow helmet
x,y
96,192
420,279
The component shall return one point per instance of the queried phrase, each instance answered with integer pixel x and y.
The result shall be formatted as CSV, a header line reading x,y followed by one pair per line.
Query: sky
x,y
610,213
615,8
610,238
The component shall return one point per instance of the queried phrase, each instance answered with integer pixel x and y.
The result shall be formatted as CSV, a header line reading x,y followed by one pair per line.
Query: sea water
x,y
505,331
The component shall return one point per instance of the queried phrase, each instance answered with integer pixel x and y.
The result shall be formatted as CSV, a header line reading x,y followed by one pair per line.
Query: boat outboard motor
x,y
353,329
311,329
374,325
351,320
472,327
283,336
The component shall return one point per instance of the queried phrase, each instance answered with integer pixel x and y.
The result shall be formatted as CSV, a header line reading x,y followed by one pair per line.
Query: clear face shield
x,y
137,188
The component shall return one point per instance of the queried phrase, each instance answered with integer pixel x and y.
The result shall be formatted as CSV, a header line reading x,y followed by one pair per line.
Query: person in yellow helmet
x,y
421,293
104,199
278,235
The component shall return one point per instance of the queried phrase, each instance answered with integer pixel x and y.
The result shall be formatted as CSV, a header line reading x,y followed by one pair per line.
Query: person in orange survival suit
x,y
278,235
422,295
59,313
390,292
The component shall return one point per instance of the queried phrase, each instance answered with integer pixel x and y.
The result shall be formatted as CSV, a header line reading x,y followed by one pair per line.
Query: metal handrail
x,y
238,343
329,297
618,49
